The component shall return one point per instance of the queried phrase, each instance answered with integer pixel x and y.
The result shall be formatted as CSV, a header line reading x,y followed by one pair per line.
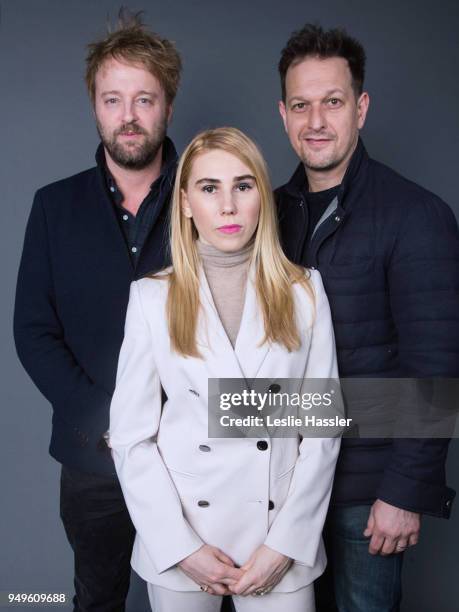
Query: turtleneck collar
x,y
211,256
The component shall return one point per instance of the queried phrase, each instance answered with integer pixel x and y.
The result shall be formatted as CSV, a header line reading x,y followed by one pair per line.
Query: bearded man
x,y
88,237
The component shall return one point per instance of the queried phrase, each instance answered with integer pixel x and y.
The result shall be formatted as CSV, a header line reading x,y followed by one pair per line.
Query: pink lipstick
x,y
230,229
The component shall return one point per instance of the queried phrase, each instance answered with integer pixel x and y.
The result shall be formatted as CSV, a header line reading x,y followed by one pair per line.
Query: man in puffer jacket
x,y
388,252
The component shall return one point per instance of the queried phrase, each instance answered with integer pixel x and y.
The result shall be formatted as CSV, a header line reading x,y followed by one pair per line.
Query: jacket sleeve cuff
x,y
174,554
415,496
284,547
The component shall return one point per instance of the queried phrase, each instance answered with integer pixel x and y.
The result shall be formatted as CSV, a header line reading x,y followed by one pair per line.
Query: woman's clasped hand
x,y
217,574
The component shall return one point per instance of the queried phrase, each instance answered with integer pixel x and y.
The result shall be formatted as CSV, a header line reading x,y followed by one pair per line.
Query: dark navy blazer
x,y
71,300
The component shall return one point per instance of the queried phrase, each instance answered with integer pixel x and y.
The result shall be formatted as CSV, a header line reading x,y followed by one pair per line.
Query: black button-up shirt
x,y
136,228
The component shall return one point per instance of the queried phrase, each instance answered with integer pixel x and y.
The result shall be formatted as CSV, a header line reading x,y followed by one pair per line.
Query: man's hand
x,y
263,570
210,567
391,529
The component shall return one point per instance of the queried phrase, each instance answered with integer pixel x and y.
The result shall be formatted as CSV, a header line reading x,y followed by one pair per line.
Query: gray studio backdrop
x,y
230,51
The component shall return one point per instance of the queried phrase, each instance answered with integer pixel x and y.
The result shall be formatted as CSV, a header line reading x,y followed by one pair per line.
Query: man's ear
x,y
363,104
283,113
170,112
185,205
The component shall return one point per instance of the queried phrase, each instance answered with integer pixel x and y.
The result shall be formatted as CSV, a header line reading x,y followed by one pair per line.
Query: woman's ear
x,y
185,205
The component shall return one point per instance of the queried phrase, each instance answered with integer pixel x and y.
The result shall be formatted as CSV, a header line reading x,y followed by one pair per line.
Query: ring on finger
x,y
260,592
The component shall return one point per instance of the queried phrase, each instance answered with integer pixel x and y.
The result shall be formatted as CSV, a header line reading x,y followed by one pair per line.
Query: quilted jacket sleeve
x,y
423,277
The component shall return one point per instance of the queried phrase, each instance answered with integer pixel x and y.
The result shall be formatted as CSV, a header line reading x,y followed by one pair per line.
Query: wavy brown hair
x,y
132,43
274,273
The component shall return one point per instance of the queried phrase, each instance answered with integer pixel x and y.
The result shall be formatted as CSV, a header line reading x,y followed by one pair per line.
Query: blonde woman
x,y
219,516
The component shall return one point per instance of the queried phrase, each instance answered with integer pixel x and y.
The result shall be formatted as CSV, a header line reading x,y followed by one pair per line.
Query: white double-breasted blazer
x,y
184,489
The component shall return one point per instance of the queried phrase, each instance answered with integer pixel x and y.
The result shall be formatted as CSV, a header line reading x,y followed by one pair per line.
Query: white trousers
x,y
165,600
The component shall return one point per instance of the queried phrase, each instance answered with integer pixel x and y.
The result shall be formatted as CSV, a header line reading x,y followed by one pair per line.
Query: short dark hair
x,y
313,41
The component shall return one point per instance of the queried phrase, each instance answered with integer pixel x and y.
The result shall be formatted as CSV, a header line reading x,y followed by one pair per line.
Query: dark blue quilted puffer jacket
x,y
388,252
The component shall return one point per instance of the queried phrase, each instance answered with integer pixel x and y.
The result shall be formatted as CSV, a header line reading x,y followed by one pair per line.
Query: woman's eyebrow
x,y
207,180
244,177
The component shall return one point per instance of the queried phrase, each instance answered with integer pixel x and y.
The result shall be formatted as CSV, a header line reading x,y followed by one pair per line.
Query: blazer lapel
x,y
249,351
222,361
212,338
248,355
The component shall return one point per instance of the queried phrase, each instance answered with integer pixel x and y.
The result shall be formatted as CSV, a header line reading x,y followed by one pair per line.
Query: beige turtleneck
x,y
226,274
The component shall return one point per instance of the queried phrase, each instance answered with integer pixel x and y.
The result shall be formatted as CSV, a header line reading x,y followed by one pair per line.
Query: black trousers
x,y
101,535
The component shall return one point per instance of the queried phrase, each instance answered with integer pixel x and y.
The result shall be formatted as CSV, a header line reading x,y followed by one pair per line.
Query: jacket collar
x,y
298,183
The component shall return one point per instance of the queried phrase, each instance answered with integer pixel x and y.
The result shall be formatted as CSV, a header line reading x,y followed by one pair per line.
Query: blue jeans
x,y
354,580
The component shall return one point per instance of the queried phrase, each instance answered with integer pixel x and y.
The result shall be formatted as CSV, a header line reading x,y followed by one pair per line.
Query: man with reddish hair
x,y
88,237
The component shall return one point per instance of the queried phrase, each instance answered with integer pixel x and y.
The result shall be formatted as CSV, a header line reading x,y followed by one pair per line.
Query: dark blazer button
x,y
102,445
203,503
262,445
271,505
274,388
204,448
83,438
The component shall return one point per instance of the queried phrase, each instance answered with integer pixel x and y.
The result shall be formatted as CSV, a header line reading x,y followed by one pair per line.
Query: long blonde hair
x,y
274,273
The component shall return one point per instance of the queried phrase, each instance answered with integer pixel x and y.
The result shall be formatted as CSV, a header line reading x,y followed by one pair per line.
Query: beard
x,y
134,156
